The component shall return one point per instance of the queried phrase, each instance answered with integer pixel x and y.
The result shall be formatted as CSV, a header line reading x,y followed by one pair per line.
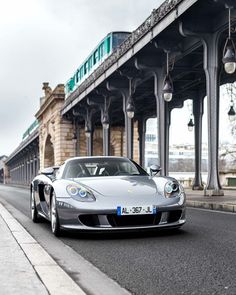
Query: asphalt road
x,y
198,259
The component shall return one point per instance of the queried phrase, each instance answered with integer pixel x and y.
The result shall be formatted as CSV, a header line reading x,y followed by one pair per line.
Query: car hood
x,y
120,185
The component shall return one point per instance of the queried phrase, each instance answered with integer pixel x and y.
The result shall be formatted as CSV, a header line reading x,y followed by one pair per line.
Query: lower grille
x,y
133,220
174,216
89,220
113,220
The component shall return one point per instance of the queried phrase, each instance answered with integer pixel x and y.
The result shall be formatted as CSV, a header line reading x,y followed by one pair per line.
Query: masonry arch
x,y
49,159
97,147
97,142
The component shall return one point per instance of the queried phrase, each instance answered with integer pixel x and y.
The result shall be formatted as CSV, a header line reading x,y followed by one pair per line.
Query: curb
x,y
54,278
212,206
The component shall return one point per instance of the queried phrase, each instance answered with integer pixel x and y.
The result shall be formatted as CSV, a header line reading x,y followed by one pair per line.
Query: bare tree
x,y
231,93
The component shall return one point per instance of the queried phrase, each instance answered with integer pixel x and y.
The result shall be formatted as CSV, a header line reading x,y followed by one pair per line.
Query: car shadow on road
x,y
131,234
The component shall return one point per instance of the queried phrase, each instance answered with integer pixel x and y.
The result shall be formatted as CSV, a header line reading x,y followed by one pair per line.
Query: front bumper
x,y
108,220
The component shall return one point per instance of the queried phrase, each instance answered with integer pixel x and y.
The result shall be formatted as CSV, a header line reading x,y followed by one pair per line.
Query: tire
x,y
55,224
34,212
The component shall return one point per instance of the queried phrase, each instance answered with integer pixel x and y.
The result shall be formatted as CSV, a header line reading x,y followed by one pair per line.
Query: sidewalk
x,y
221,203
25,267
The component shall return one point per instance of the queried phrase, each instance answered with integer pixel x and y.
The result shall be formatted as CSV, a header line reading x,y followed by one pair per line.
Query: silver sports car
x,y
106,193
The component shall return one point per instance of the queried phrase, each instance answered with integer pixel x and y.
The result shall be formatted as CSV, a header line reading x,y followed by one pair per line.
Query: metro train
x,y
97,56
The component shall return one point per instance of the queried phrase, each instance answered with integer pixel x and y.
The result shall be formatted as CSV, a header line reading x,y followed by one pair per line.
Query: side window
x,y
72,84
95,57
86,68
126,167
108,45
90,63
102,50
59,171
77,76
67,87
81,73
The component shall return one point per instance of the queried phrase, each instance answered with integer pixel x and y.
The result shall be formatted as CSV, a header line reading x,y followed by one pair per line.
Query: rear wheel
x,y
55,224
34,212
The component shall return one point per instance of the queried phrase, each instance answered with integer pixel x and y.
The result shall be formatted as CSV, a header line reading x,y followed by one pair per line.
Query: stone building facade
x,y
55,133
57,141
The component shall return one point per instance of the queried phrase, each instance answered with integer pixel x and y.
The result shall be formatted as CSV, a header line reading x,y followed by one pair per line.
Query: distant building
x,y
2,159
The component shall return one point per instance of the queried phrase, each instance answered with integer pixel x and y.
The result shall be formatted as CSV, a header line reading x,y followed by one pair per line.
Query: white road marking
x,y
211,210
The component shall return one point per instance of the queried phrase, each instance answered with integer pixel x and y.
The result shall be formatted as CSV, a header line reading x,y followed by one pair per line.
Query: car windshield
x,y
96,167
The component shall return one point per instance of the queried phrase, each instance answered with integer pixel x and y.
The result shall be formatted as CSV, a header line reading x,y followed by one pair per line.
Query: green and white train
x,y
98,55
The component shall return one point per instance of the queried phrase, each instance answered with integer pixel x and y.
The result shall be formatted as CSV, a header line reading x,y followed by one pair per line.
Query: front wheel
x,y
55,224
34,212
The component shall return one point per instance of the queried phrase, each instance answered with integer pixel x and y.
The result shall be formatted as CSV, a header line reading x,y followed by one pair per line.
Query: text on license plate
x,y
134,210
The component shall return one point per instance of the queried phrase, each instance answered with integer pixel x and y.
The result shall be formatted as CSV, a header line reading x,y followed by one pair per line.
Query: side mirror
x,y
48,171
154,169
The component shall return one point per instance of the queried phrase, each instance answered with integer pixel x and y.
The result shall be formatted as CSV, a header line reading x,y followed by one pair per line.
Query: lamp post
x,y
167,90
130,107
87,130
231,113
190,125
105,121
229,52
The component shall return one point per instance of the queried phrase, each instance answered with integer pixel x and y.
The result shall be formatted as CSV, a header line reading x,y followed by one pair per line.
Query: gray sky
x,y
45,41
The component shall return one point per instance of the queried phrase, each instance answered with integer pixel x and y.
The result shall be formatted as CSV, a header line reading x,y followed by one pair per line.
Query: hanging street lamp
x,y
168,89
130,107
231,113
105,121
190,125
87,131
229,52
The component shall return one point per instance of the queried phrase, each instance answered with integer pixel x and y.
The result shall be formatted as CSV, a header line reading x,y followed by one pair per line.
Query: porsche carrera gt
x,y
104,194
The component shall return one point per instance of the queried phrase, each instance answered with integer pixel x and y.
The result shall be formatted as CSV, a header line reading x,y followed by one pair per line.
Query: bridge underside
x,y
193,33
23,163
189,36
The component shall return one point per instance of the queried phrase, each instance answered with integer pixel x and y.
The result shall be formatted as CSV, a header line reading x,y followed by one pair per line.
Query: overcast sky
x,y
45,41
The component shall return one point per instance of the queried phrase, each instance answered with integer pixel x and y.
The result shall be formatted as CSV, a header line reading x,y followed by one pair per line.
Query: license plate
x,y
136,210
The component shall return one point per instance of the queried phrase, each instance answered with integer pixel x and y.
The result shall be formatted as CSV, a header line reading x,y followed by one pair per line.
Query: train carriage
x,y
98,55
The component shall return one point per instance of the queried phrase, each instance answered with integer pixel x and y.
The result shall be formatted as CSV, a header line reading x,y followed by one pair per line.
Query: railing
x,y
24,144
32,127
156,16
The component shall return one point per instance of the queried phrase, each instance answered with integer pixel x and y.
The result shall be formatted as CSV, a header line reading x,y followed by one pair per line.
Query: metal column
x,y
211,67
163,121
197,113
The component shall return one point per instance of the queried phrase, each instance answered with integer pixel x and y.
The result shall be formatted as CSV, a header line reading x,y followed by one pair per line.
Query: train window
x,y
102,50
90,62
95,57
108,45
67,87
77,77
118,38
86,68
71,84
81,73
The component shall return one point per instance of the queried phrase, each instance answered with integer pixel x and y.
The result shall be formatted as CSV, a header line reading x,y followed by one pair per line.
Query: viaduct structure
x,y
183,50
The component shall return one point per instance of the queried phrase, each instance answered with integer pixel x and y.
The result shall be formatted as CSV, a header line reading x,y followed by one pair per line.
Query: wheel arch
x,y
51,194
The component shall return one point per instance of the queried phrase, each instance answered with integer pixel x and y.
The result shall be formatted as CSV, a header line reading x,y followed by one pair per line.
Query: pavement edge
x,y
212,206
55,279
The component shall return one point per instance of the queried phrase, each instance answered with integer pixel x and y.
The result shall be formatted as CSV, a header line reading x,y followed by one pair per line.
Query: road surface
x,y
198,259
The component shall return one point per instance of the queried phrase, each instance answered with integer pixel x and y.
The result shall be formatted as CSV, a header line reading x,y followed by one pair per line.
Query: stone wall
x,y
56,142
56,134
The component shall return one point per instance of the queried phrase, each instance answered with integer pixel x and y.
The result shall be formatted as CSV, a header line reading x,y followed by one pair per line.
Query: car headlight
x,y
80,193
172,189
